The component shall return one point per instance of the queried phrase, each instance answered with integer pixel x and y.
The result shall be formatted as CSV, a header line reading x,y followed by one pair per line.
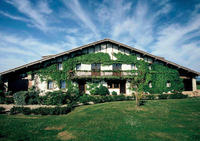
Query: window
x,y
113,85
60,67
168,84
116,85
96,67
62,84
50,85
133,67
78,67
117,66
150,84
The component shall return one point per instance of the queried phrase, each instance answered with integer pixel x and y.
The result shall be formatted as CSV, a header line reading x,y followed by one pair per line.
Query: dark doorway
x,y
81,85
123,87
18,85
187,84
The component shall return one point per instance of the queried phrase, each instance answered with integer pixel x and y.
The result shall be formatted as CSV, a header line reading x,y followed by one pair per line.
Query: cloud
x,y
76,8
175,42
36,14
14,17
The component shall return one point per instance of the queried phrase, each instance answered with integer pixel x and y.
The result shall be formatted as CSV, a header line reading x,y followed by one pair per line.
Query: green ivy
x,y
159,75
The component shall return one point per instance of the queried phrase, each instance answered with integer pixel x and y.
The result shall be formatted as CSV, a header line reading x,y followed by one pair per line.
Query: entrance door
x,y
123,87
81,85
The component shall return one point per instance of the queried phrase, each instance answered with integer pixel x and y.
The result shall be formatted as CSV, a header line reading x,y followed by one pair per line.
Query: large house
x,y
105,62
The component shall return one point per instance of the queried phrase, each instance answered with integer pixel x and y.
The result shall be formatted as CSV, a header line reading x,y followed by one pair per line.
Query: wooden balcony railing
x,y
101,73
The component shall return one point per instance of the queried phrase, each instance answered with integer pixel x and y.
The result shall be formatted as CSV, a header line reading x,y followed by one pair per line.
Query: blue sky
x,y
30,29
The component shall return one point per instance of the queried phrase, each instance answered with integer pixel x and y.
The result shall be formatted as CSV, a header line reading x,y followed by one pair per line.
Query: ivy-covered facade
x,y
105,62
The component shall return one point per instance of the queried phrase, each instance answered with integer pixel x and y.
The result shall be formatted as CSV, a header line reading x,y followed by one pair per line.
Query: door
x,y
81,85
123,87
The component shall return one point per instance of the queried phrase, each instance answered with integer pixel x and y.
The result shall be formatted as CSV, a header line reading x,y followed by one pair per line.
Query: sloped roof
x,y
45,58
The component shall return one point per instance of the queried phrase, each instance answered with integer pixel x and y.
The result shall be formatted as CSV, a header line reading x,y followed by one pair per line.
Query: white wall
x,y
126,67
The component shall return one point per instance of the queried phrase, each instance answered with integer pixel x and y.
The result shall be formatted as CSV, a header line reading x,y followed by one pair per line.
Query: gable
x,y
105,46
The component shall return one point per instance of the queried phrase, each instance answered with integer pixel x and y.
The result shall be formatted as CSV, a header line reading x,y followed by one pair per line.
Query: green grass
x,y
120,121
198,87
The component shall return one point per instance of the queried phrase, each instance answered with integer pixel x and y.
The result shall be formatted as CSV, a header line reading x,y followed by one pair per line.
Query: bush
x,y
103,90
119,97
2,110
42,110
33,96
23,110
177,96
9,100
86,98
114,93
163,96
2,100
53,98
20,97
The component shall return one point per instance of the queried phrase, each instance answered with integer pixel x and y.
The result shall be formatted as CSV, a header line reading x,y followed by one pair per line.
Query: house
x,y
105,62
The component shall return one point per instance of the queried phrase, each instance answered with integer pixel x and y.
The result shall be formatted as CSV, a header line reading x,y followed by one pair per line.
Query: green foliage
x,y
54,98
41,110
60,97
20,97
159,75
103,91
26,97
164,96
126,59
16,110
114,93
101,99
155,121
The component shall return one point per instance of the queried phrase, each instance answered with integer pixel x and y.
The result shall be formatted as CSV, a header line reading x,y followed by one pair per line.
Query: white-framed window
x,y
50,85
62,84
117,66
78,66
60,66
150,84
133,67
168,84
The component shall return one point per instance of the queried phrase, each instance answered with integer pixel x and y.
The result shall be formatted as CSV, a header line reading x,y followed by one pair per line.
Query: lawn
x,y
120,121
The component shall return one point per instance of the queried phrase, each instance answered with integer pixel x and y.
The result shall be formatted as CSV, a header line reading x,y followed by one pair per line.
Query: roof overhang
x,y
92,44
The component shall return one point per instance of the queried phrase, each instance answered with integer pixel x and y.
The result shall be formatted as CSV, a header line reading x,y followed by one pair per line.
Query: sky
x,y
30,29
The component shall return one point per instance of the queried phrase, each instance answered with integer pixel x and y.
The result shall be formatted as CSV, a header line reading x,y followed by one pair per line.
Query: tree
x,y
139,80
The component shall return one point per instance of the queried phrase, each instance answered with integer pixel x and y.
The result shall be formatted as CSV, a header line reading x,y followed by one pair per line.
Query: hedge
x,y
42,110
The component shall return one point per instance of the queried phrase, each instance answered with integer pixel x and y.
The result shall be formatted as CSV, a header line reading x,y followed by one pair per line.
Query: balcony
x,y
100,74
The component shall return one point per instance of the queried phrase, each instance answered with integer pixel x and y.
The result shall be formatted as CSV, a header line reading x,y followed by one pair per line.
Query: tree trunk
x,y
137,99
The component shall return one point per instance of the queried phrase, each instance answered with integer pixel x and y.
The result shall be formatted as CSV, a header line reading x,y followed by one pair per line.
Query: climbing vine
x,y
159,75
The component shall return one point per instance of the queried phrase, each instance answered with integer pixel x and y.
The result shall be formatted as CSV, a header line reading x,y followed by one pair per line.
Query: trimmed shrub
x,y
114,93
163,96
177,96
2,100
53,98
85,99
20,97
9,100
2,110
103,91
23,110
119,97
